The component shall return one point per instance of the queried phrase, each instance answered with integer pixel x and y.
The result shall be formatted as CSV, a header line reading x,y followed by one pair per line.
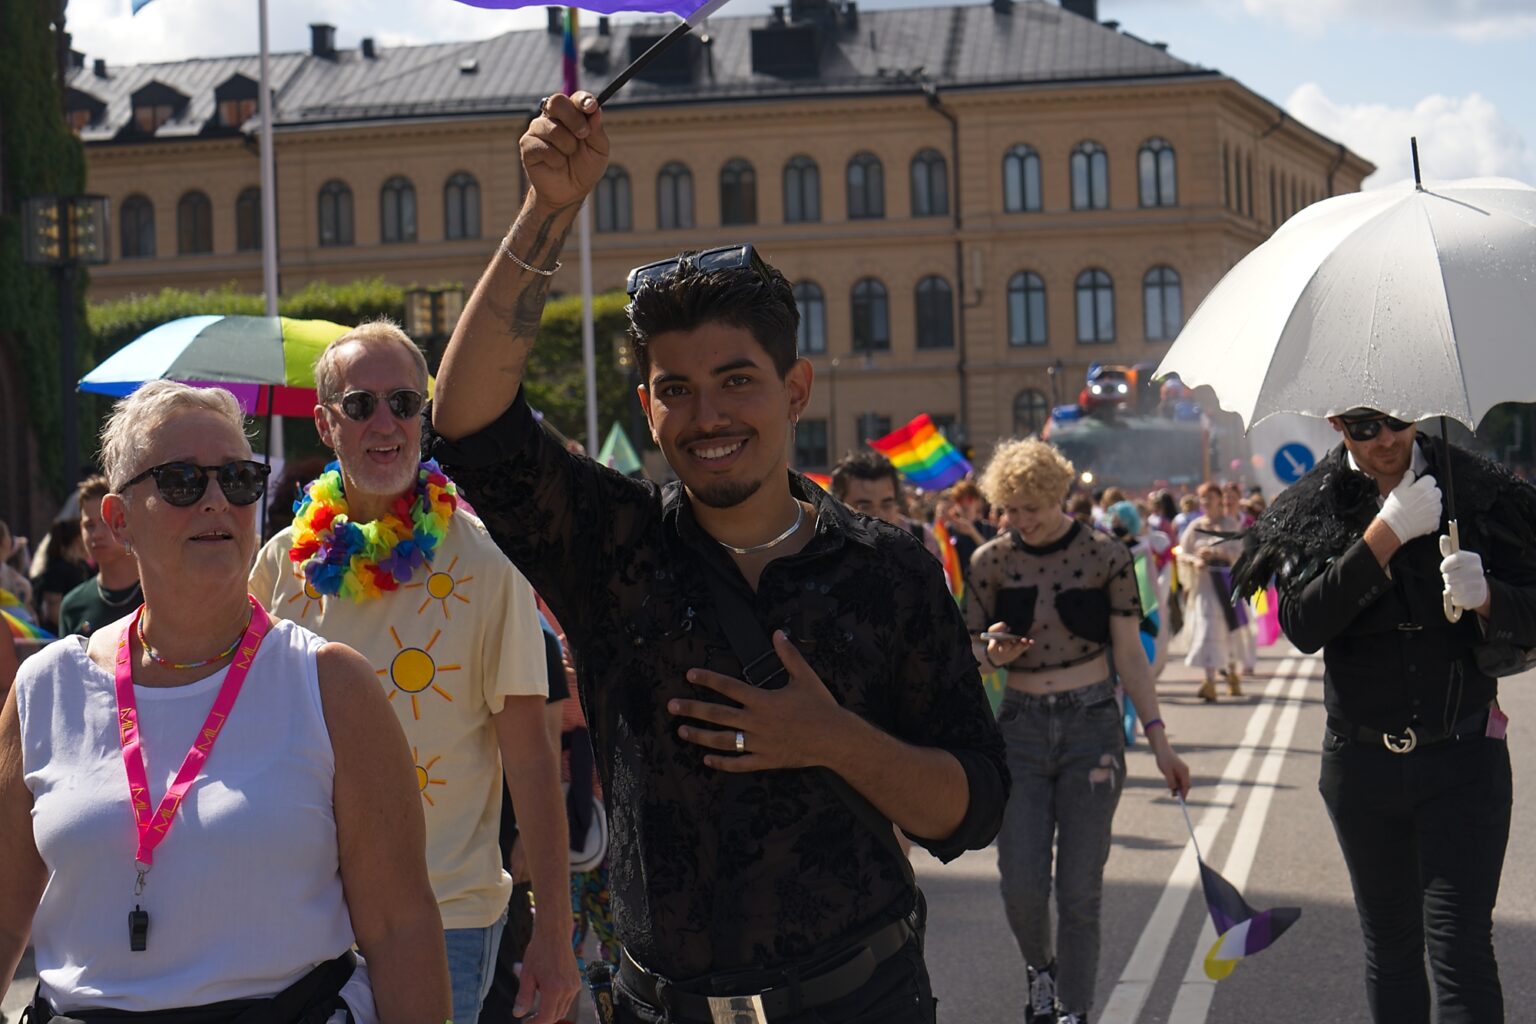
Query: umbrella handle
x,y
1452,612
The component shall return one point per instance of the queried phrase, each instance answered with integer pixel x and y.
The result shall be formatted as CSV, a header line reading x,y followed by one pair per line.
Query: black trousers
x,y
897,993
1423,835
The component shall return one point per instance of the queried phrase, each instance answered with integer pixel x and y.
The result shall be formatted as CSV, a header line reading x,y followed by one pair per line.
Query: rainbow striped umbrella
x,y
267,362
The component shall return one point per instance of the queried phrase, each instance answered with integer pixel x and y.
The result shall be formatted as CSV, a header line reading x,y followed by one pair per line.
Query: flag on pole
x,y
923,455
568,51
617,453
954,574
692,11
1240,930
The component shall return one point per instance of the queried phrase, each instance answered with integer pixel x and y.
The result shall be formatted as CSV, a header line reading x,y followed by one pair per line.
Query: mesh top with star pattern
x,y
1060,595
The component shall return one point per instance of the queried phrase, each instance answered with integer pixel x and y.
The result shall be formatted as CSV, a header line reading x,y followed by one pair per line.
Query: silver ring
x,y
741,742
543,111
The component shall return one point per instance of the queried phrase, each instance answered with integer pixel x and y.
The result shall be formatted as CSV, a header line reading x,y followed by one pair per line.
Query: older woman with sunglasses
x,y
202,808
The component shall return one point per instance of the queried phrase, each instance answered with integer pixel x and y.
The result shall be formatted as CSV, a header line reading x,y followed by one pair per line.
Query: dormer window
x,y
154,105
236,100
81,110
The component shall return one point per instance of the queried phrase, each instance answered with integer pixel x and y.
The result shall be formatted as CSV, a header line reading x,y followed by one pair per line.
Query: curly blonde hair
x,y
1027,471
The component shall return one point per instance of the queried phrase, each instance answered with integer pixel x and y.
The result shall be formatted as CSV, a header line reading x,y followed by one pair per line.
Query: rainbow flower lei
x,y
360,561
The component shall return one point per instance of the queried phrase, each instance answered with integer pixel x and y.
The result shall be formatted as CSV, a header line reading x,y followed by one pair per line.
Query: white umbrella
x,y
1416,301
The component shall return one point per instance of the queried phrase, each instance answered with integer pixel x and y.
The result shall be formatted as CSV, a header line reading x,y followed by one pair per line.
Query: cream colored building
x,y
1072,190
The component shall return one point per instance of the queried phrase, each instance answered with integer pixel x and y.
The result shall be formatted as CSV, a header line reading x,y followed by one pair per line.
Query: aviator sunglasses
x,y
404,404
1365,430
183,483
726,257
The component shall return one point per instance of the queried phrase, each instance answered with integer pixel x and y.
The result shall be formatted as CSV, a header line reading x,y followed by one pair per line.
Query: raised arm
x,y
564,152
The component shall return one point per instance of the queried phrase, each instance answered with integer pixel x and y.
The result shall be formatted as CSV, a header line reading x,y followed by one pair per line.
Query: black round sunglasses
x,y
243,481
1365,430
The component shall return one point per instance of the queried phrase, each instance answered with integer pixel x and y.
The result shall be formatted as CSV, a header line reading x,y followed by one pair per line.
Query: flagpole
x,y
584,222
268,210
1191,826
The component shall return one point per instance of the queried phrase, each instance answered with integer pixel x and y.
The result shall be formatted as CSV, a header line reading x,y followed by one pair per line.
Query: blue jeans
x,y
1066,753
471,956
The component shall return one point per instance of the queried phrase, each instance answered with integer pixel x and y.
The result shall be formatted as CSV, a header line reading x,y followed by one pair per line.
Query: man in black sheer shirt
x,y
745,888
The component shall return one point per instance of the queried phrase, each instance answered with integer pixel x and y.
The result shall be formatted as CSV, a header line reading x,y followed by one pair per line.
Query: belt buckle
x,y
1400,744
737,1010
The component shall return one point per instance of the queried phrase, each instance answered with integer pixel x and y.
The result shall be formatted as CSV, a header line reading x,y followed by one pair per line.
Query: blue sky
x,y
1461,74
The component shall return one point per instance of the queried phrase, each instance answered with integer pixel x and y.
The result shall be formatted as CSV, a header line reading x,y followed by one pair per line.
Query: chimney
x,y
322,40
851,16
1082,8
556,24
776,14
100,67
368,51
602,26
1003,6
1112,25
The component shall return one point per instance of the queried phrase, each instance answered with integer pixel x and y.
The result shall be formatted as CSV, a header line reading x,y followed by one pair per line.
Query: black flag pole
x,y
638,64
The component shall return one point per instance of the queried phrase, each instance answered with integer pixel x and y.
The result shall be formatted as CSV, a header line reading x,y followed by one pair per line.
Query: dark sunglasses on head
x,y
726,257
404,404
1365,430
182,483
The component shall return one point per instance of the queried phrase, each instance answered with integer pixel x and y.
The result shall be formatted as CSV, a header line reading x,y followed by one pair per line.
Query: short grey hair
x,y
382,331
133,421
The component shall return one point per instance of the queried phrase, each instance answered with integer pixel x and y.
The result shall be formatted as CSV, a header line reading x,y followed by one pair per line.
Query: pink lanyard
x,y
153,829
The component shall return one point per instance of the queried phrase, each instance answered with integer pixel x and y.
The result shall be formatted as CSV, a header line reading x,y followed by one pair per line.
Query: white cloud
x,y
1466,19
1459,137
181,29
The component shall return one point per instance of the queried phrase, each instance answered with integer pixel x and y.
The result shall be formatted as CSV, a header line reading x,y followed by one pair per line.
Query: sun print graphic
x,y
414,671
308,592
424,776
441,587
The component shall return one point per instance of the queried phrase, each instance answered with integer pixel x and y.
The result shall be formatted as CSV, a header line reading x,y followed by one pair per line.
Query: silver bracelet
x,y
509,254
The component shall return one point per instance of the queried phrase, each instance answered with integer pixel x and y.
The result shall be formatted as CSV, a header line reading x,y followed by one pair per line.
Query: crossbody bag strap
x,y
761,667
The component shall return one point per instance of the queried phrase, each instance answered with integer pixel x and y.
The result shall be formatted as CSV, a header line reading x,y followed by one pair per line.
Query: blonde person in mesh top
x,y
1052,600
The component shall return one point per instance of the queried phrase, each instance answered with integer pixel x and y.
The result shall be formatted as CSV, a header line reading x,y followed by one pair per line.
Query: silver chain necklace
x,y
781,538
101,592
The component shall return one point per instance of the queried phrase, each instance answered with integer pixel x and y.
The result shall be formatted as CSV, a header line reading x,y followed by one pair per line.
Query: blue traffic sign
x,y
1293,461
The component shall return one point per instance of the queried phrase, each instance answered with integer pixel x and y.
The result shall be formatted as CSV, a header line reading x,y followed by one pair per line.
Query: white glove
x,y
1462,571
1412,509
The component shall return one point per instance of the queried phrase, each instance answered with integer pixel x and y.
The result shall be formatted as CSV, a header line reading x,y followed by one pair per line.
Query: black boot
x,y
1041,1007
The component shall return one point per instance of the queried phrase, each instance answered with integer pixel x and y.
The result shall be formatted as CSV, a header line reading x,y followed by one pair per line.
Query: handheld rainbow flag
x,y
24,629
953,572
923,455
1240,930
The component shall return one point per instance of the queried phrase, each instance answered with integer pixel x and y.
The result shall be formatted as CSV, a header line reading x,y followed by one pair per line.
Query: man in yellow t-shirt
x,y
381,557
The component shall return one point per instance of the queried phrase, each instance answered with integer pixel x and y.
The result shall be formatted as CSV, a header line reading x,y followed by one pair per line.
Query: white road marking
x,y
1193,1004
1141,970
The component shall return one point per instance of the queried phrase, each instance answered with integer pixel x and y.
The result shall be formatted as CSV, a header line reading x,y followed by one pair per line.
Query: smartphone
x,y
1005,637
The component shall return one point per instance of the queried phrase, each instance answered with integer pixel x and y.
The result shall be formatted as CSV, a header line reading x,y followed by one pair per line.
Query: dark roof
x,y
1031,41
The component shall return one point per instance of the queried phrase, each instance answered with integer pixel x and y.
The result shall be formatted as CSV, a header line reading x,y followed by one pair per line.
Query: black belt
x,y
1413,737
773,1003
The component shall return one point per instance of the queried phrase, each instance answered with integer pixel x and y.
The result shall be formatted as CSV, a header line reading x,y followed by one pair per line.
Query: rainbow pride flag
x,y
923,455
954,573
24,629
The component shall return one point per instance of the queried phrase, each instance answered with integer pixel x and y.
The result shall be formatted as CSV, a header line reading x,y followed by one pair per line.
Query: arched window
x,y
1090,177
1030,409
930,184
613,200
802,191
1156,168
1095,308
674,197
397,211
194,224
1162,303
335,214
811,338
137,228
866,187
738,193
248,220
1021,180
935,313
461,206
1026,309
871,317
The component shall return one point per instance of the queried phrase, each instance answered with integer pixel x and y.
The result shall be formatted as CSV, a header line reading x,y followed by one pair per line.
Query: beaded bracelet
x,y
1148,726
509,254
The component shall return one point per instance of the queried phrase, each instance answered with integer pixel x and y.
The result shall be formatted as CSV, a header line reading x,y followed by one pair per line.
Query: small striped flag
x,y
923,455
954,573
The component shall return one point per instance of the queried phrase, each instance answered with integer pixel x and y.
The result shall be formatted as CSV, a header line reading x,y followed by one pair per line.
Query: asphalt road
x,y
1262,824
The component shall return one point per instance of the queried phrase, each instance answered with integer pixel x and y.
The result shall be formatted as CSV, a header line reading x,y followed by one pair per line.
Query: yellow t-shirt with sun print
x,y
449,647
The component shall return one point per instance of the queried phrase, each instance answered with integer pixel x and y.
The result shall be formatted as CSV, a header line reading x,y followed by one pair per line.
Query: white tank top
x,y
245,896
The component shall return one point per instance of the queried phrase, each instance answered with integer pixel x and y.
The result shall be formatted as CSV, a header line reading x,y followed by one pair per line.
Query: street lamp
x,y
65,233
431,314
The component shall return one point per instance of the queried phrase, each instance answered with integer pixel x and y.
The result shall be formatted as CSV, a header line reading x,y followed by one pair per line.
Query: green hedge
x,y
554,380
41,157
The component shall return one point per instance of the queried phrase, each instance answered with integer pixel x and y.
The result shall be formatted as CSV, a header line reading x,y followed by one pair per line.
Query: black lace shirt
x,y
713,871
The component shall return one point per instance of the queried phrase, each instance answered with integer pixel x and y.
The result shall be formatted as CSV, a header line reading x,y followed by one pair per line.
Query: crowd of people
x,y
780,693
